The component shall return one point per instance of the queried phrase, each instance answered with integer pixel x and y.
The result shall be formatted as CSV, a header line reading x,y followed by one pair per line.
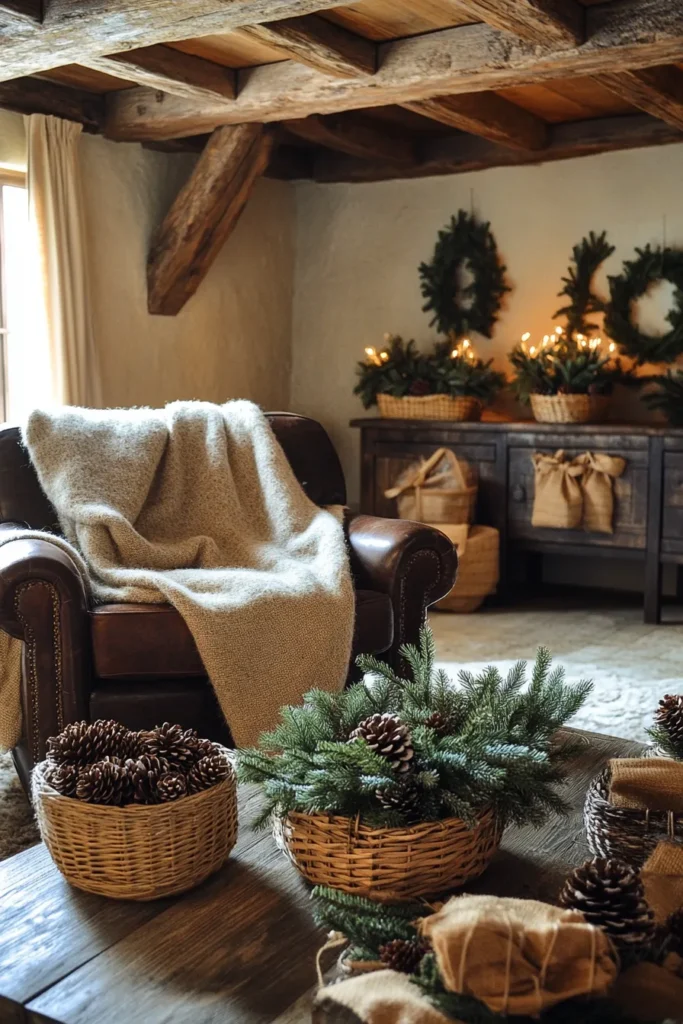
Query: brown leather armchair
x,y
138,663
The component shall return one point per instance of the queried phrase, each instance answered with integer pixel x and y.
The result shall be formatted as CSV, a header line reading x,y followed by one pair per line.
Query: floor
x,y
604,639
601,638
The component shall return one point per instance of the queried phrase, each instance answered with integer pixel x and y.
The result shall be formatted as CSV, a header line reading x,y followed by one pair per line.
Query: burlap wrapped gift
x,y
384,997
518,956
558,499
440,489
597,483
651,783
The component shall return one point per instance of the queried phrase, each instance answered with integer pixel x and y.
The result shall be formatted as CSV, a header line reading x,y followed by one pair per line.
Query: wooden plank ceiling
x,y
351,92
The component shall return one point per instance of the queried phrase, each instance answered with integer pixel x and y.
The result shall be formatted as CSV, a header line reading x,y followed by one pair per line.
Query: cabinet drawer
x,y
630,503
672,525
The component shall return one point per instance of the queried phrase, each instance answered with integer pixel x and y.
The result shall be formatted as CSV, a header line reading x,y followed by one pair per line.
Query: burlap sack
x,y
662,875
440,489
384,997
558,499
518,956
651,783
597,483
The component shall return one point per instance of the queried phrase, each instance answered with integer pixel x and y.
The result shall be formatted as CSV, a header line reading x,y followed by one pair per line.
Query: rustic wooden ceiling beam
x,y
464,153
352,136
548,22
204,214
36,96
629,34
658,91
319,44
30,11
488,115
162,67
72,30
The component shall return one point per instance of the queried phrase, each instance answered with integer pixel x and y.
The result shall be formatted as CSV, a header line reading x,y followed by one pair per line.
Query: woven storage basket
x,y
428,407
569,408
388,863
478,567
137,852
625,832
420,497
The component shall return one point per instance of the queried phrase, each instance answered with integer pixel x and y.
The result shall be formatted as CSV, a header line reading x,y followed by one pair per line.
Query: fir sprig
x,y
497,750
566,368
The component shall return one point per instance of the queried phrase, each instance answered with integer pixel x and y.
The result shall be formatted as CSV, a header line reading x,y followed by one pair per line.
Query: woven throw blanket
x,y
197,505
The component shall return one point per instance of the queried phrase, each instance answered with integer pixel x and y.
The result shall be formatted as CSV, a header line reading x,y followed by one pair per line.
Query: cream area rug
x,y
18,829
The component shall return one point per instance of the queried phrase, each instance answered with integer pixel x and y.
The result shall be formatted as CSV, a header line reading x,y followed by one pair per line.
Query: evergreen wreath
x,y
491,742
638,276
460,310
587,257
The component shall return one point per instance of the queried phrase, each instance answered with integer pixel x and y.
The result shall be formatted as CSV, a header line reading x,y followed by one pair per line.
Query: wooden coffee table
x,y
238,950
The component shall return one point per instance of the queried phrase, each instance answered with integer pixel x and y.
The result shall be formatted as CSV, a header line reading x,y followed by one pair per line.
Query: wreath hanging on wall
x,y
587,258
461,309
638,276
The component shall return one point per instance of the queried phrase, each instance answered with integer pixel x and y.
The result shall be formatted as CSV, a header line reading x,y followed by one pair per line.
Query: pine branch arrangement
x,y
493,746
454,372
563,367
587,257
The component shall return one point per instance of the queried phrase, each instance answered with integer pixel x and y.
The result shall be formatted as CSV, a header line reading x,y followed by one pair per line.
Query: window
x,y
21,303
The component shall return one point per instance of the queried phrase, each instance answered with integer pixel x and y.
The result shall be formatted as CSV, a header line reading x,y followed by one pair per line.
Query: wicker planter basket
x,y
388,863
625,832
569,408
423,498
137,852
478,567
429,407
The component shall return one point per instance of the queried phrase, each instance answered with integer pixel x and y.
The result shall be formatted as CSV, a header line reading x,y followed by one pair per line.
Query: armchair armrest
x,y
414,564
43,601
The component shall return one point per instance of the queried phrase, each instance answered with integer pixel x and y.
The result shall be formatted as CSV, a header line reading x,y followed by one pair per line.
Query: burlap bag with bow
x,y
440,489
597,483
558,499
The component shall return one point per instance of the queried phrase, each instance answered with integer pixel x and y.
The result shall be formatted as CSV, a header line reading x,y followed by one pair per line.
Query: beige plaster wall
x,y
233,338
12,140
359,246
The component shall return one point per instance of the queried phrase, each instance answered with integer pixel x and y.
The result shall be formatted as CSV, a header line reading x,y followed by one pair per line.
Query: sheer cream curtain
x,y
57,218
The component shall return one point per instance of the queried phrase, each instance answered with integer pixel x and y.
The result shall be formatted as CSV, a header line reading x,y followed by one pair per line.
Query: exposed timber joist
x,y
488,115
471,58
35,96
204,214
459,154
30,11
319,44
548,22
162,67
354,138
73,30
658,91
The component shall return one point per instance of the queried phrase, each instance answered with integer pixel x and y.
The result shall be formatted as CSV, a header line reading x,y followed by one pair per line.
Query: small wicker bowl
x,y
625,832
137,852
569,408
429,407
390,864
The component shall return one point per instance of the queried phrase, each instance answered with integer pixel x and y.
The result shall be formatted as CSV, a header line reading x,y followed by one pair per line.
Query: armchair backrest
x,y
305,442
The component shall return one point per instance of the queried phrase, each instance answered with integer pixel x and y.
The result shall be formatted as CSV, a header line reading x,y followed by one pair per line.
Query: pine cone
x,y
207,772
206,748
402,955
387,735
610,894
86,742
669,717
145,773
405,798
171,786
177,745
131,746
439,723
674,926
105,782
62,777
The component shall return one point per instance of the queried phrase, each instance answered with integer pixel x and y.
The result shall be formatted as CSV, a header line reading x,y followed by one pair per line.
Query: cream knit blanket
x,y
197,505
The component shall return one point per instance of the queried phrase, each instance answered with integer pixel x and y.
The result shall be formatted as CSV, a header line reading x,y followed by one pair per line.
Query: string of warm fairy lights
x,y
463,350
555,340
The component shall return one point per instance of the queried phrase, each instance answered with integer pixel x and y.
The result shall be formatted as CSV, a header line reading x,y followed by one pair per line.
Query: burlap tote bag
x,y
599,473
558,499
440,489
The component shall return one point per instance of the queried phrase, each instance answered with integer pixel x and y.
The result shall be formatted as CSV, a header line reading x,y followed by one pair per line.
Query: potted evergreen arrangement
x,y
565,379
448,383
401,787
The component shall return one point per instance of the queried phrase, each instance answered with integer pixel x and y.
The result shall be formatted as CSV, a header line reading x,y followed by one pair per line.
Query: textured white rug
x,y
17,824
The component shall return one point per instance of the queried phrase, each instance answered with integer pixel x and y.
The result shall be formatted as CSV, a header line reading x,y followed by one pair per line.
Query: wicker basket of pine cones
x,y
135,815
394,864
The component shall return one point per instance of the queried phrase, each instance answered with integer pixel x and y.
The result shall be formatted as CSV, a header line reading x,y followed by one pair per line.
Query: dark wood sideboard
x,y
648,516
